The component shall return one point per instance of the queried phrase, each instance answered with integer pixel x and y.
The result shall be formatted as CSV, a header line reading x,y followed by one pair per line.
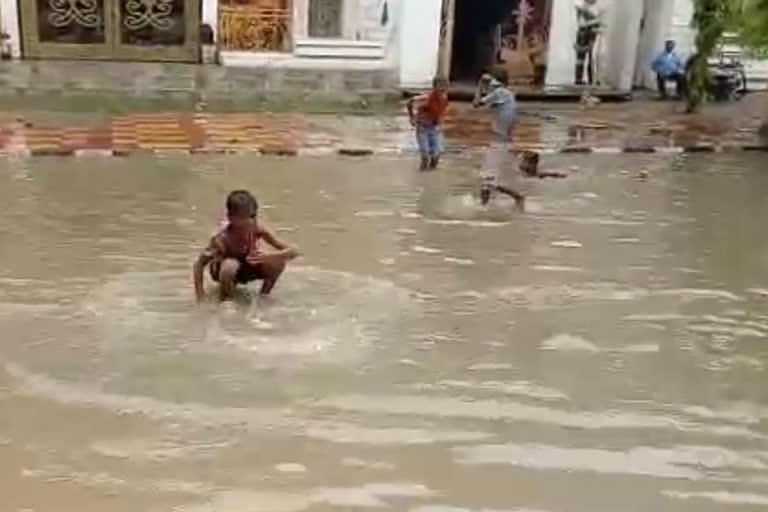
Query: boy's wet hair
x,y
500,74
530,163
439,81
531,156
241,203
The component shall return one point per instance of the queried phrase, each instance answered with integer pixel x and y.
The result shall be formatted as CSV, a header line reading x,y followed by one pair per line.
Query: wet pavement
x,y
605,351
633,127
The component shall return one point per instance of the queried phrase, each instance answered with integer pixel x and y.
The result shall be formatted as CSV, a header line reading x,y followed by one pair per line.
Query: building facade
x,y
543,43
351,34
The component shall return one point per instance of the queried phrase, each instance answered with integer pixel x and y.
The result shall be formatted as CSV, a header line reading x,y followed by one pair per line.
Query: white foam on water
x,y
35,384
458,261
741,412
568,343
103,480
316,314
290,467
549,296
346,433
447,508
355,462
207,417
639,348
567,244
720,497
156,451
762,292
245,501
494,410
700,293
677,462
488,367
727,330
467,210
557,268
18,308
663,317
425,250
519,388
375,213
369,495
469,223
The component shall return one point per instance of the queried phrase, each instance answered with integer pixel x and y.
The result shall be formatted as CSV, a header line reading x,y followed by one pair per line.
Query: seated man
x,y
668,66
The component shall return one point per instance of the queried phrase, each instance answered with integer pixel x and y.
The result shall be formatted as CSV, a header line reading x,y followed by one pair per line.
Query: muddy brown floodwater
x,y
606,351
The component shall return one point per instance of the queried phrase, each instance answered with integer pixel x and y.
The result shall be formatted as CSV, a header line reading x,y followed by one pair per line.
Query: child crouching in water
x,y
234,254
427,119
492,92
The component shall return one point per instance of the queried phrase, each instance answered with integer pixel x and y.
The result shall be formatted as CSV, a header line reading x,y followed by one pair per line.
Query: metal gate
x,y
149,30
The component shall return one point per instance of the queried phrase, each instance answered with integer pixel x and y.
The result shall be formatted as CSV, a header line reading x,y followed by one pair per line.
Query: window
x,y
325,18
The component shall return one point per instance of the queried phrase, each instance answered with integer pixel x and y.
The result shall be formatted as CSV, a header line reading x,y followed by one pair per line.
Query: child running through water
x,y
492,92
427,119
234,254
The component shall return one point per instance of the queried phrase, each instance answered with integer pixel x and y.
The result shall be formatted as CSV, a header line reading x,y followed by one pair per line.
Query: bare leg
x,y
485,195
517,196
227,278
271,273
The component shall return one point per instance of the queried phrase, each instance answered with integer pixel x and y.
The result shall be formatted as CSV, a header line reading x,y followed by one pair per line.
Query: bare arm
x,y
410,106
551,173
197,274
284,251
482,86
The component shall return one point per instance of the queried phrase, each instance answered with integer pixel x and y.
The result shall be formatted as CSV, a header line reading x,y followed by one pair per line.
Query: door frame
x,y
112,48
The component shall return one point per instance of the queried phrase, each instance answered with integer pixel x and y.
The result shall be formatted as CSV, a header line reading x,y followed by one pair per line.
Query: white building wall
x,y
657,28
618,52
419,42
9,23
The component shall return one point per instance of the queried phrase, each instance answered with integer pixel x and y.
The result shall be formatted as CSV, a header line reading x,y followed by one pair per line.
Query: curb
x,y
361,152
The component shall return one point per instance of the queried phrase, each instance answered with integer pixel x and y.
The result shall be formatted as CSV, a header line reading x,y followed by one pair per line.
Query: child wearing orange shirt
x,y
427,120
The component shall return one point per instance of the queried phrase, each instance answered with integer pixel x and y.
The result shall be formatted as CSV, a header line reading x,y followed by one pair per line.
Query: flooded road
x,y
606,351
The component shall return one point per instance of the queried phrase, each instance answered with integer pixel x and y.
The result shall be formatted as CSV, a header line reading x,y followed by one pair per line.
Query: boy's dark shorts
x,y
246,273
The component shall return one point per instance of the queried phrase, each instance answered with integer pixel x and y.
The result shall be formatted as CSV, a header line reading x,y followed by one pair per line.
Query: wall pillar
x,y
9,23
621,44
561,57
210,16
656,29
300,28
419,42
445,49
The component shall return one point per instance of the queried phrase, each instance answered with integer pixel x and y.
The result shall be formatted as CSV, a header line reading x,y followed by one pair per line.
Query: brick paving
x,y
611,128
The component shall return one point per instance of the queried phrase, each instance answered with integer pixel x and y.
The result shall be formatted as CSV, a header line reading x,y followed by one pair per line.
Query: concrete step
x,y
339,49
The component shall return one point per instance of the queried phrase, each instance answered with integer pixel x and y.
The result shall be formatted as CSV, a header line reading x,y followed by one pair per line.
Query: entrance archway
x,y
513,34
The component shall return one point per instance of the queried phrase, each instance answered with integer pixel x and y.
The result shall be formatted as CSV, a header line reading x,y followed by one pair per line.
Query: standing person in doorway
x,y
589,16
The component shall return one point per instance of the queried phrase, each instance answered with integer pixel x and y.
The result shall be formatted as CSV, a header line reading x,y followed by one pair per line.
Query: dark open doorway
x,y
473,36
489,33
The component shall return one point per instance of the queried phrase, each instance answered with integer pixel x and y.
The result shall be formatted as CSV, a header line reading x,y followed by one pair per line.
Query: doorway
x,y
512,34
155,30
